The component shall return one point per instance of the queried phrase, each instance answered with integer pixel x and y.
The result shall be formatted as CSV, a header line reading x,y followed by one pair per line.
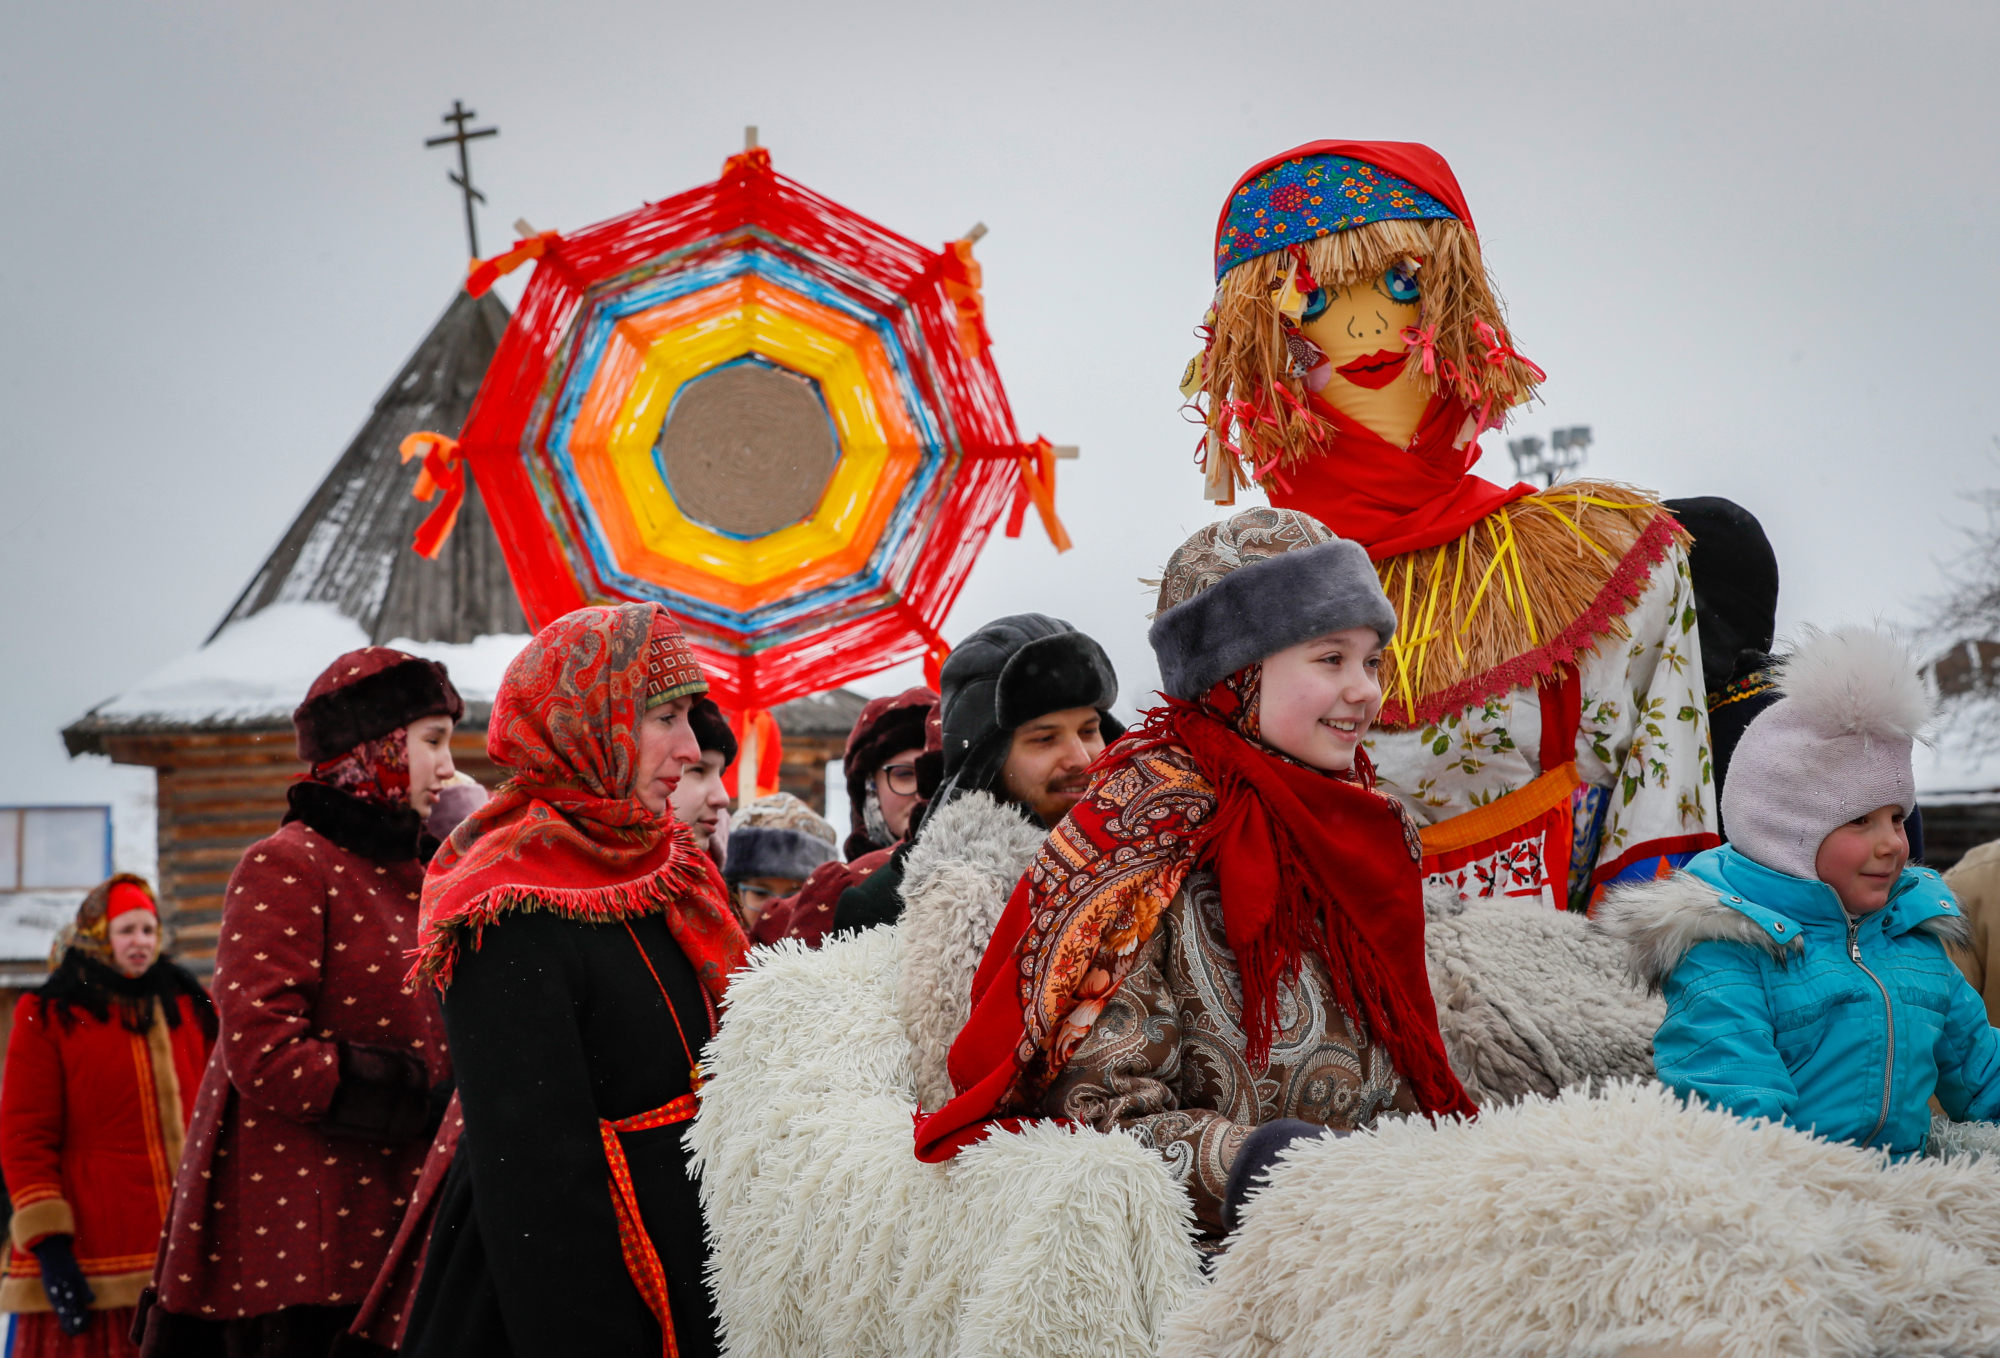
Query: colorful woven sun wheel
x,y
767,413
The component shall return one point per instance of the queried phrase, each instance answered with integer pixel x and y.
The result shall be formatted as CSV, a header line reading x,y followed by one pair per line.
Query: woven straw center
x,y
748,450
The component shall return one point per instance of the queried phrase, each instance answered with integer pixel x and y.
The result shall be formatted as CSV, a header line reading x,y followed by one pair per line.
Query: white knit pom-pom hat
x,y
1833,748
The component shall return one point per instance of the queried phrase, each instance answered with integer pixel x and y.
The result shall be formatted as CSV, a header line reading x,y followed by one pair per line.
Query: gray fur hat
x,y
1253,584
777,836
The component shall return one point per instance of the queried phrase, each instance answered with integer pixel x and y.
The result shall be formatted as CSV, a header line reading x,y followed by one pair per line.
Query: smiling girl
x,y
1226,933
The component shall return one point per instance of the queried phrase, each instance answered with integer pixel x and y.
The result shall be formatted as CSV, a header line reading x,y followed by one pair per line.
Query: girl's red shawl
x,y
1305,861
565,833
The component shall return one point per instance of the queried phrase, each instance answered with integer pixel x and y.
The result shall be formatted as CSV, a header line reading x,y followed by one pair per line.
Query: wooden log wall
x,y
219,793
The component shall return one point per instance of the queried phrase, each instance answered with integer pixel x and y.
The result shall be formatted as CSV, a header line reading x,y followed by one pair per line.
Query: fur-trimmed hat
x,y
777,836
886,727
1834,747
365,695
1009,672
1253,584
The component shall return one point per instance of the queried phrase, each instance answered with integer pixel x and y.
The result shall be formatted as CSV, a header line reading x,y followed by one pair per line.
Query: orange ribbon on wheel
x,y
1037,486
443,471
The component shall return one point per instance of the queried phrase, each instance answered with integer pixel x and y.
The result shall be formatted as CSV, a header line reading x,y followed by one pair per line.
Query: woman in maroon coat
x,y
102,1066
330,1072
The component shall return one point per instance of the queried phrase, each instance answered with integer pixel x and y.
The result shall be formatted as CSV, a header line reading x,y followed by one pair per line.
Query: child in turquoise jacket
x,y
1804,962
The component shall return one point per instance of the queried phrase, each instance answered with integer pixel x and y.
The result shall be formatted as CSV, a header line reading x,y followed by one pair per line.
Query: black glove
x,y
384,1095
1254,1159
69,1294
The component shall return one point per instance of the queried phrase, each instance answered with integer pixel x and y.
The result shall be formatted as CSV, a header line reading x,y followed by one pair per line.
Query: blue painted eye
x,y
1401,282
1316,301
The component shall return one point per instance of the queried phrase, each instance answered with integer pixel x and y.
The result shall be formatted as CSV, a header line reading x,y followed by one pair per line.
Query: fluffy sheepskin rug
x,y
830,1237
1617,1223
1532,1000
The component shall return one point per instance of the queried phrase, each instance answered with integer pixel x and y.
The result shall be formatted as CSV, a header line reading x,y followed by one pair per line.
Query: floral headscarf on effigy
x,y
1332,214
565,832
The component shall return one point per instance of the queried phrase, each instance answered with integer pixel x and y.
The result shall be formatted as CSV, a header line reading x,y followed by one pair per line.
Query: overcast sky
x,y
1753,246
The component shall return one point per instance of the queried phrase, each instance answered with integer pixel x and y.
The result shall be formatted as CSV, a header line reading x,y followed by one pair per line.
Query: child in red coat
x,y
102,1066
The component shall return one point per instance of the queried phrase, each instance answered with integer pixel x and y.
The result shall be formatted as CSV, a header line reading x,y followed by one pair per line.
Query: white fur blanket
x,y
830,1237
1585,1226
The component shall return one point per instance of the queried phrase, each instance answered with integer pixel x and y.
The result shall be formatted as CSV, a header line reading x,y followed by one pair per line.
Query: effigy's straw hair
x,y
1521,593
1248,362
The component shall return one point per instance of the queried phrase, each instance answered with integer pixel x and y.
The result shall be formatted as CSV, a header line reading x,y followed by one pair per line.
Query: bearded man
x,y
1024,710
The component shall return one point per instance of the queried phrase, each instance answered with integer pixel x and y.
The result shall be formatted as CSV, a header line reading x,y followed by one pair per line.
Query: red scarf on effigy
x,y
1306,861
1393,500
565,833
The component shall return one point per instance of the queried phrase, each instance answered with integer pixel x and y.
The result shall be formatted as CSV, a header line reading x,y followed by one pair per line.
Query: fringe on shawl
x,y
436,956
1525,590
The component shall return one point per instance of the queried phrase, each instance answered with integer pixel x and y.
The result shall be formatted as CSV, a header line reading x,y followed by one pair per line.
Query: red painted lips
x,y
1374,371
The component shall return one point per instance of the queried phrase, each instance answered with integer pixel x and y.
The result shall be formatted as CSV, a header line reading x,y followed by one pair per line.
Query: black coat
x,y
553,1025
876,899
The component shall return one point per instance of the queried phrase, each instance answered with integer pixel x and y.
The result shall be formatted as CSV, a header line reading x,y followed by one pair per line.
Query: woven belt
x,y
642,1261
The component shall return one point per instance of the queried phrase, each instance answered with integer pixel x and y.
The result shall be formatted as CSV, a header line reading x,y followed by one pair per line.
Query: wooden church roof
x,y
350,545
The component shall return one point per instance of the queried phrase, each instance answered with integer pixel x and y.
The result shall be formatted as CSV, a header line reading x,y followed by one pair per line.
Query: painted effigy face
x,y
1359,326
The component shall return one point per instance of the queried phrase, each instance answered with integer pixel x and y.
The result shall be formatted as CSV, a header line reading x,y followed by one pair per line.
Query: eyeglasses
x,y
902,779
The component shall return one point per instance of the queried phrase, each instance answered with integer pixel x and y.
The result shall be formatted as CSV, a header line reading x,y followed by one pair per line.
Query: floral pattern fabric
x,y
1642,751
1302,199
376,771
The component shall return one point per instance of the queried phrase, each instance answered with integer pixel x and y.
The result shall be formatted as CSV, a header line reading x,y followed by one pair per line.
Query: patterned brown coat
x,y
270,1211
1164,1060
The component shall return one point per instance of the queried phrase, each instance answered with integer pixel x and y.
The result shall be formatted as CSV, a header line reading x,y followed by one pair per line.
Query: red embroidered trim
x,y
1624,588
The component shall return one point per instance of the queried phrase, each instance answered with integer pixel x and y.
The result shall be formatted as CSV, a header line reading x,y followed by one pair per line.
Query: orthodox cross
x,y
458,117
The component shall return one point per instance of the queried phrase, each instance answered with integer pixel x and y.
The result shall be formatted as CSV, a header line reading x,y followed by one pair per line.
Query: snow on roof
x,y
1950,771
257,669
29,923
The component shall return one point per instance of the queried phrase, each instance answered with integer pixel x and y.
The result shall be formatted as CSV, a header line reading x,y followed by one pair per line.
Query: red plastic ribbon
x,y
1302,277
770,752
1499,348
482,274
441,470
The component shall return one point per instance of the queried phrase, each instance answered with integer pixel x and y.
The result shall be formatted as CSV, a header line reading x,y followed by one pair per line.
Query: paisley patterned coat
x,y
1164,1060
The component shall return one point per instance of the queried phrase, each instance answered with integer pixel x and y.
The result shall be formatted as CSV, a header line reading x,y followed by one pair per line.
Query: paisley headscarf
x,y
565,832
376,771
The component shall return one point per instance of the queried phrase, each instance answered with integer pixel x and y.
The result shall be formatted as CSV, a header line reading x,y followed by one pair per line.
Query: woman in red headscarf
x,y
102,1066
583,942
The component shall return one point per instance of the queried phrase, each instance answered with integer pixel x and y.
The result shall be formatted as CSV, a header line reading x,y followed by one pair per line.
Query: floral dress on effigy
x,y
1596,770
